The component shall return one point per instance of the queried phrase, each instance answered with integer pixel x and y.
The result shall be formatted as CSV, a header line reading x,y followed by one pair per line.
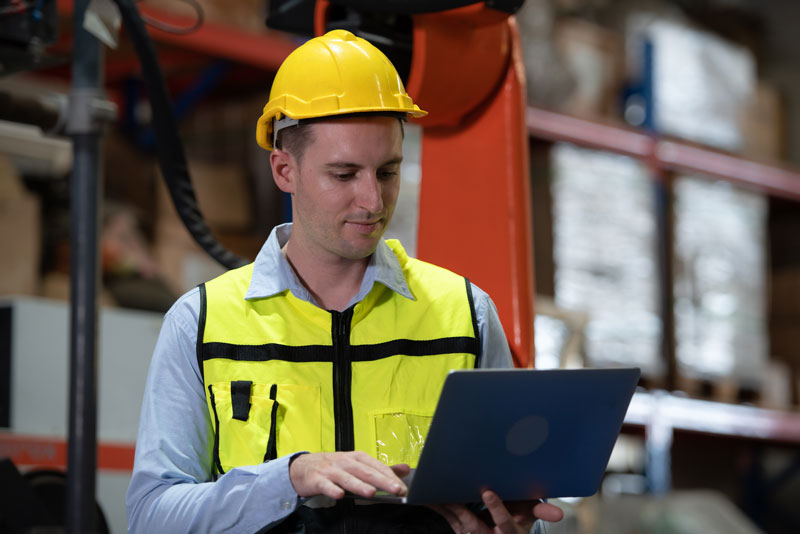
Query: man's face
x,y
345,186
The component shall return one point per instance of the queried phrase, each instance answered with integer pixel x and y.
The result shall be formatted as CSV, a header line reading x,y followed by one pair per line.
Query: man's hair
x,y
295,139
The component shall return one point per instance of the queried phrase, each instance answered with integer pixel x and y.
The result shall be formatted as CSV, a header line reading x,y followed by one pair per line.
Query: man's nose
x,y
369,195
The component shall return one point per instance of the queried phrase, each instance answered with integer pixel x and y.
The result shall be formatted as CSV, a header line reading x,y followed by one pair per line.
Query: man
x,y
279,387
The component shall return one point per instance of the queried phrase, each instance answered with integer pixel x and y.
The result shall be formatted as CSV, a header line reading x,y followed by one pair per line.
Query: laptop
x,y
523,433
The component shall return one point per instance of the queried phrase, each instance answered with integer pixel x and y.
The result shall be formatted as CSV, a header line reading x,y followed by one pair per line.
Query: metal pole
x,y
85,130
658,447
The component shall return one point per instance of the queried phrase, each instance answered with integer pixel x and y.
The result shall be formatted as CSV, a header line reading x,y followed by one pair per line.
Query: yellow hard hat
x,y
334,74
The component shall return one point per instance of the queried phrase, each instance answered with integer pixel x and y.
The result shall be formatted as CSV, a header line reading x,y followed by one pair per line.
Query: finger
x,y
522,519
548,512
392,472
362,475
401,470
355,472
469,522
354,480
449,516
376,473
503,521
329,488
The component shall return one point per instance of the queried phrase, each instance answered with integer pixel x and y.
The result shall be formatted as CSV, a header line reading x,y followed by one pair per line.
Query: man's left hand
x,y
512,518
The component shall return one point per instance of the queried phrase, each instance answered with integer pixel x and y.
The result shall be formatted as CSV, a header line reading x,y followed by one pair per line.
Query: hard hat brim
x,y
265,123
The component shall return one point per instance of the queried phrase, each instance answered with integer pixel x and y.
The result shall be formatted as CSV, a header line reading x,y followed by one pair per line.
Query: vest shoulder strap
x,y
421,273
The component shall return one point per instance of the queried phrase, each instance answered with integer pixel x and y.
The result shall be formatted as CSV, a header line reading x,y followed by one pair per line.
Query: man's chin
x,y
359,251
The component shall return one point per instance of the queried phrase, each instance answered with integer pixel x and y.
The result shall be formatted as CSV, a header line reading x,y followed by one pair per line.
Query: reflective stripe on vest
x,y
283,375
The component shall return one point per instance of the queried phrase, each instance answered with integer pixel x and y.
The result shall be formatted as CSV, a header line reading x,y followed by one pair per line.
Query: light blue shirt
x,y
171,490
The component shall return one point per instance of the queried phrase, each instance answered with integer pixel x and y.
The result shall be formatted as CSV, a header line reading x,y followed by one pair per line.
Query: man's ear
x,y
284,168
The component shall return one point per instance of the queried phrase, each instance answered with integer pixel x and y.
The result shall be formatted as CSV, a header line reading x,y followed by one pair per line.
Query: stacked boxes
x,y
604,251
720,281
701,83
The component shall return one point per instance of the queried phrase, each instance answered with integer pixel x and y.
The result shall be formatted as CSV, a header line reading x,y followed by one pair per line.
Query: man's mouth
x,y
365,227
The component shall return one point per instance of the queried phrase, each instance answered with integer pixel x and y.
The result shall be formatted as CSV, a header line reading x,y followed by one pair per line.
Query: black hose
x,y
169,148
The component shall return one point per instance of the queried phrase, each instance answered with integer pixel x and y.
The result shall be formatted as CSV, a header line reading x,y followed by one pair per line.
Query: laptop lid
x,y
523,433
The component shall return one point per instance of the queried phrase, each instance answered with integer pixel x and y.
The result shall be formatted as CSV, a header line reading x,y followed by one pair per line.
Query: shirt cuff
x,y
274,475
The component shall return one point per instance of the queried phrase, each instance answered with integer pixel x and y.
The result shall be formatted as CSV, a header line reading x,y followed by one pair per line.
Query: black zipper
x,y
342,375
342,403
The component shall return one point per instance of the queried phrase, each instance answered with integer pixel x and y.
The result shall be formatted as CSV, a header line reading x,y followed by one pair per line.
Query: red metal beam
x,y
263,50
126,63
51,452
773,180
553,126
670,155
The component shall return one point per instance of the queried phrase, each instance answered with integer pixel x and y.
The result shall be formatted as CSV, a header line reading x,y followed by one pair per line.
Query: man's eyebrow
x,y
394,161
351,165
342,165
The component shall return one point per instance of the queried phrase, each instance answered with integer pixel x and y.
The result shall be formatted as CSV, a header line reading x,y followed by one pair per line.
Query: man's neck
x,y
333,281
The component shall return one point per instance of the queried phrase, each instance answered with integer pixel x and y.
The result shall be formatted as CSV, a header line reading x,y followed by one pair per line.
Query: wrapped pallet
x,y
720,281
701,84
604,248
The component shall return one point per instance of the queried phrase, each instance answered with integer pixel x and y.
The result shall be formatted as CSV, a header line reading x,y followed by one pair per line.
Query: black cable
x,y
169,148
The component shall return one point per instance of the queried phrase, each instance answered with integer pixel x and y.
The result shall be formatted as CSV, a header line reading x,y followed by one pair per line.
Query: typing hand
x,y
508,518
336,473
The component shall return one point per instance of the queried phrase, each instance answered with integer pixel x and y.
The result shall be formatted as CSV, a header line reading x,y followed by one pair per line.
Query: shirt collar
x,y
272,273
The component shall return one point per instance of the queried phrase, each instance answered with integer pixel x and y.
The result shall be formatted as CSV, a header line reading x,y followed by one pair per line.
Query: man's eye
x,y
344,176
387,175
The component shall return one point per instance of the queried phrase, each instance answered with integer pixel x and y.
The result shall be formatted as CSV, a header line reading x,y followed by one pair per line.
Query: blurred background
x,y
664,143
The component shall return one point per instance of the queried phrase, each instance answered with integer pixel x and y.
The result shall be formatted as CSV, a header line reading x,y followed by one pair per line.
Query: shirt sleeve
x,y
171,488
495,352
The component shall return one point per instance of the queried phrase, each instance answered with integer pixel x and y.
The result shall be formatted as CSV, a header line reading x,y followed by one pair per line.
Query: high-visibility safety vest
x,y
283,375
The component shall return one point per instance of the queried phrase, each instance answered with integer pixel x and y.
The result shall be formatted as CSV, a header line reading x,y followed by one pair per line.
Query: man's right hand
x,y
336,473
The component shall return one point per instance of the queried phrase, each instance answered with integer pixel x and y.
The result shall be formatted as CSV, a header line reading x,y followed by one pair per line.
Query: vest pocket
x,y
259,422
399,436
299,419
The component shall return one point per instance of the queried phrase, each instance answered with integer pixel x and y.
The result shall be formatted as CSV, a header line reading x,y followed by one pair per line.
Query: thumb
x,y
401,470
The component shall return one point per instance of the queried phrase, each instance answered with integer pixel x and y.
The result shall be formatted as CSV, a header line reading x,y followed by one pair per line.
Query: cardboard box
x,y
785,341
763,124
594,56
785,295
56,285
223,196
184,267
20,234
184,264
